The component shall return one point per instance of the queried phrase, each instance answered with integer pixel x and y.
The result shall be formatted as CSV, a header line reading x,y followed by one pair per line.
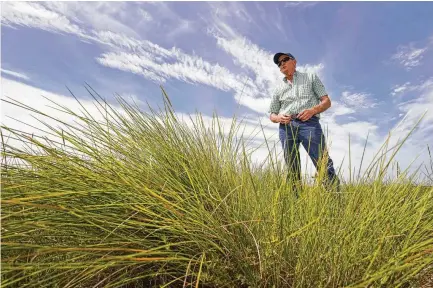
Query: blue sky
x,y
375,59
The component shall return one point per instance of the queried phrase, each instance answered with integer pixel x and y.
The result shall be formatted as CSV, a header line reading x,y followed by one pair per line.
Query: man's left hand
x,y
306,114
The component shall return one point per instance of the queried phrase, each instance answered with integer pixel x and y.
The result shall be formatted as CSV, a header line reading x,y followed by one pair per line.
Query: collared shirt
x,y
302,93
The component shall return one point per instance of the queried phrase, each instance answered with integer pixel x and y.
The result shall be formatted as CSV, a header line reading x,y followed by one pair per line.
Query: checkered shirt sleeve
x,y
318,87
275,105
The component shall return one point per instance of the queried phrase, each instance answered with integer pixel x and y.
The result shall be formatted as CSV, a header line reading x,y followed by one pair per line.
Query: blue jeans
x,y
310,134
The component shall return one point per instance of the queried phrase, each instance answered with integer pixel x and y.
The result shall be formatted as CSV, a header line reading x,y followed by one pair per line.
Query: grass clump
x,y
141,199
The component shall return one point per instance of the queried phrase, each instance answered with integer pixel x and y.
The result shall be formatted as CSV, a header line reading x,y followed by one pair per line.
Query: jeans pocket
x,y
287,132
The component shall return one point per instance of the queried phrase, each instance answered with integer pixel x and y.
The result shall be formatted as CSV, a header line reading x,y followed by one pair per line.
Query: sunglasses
x,y
284,61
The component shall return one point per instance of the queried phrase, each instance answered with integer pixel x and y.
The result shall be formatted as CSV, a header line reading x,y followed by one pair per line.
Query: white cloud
x,y
159,64
146,15
339,109
109,16
79,18
409,56
259,61
15,74
357,100
16,118
408,87
190,69
35,15
416,108
216,22
138,64
401,88
261,64
169,23
145,58
223,13
133,99
183,27
142,57
426,84
413,110
300,4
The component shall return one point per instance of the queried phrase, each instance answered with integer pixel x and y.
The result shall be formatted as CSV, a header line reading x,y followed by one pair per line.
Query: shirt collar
x,y
294,76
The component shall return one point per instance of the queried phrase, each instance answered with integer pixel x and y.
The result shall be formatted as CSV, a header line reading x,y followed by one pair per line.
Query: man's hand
x,y
306,114
284,119
280,118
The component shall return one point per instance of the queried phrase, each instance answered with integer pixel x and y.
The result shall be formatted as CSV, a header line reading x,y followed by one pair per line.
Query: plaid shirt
x,y
303,93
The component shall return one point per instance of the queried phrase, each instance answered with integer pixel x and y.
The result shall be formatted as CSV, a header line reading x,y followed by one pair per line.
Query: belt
x,y
295,116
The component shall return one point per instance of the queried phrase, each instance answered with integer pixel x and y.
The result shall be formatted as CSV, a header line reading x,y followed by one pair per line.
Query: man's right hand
x,y
280,118
284,119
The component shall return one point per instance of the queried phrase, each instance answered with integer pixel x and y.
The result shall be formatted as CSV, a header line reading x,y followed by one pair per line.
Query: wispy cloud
x,y
358,100
146,15
251,88
111,16
408,87
409,56
260,64
36,15
169,23
398,89
300,4
151,60
15,74
413,111
23,120
339,108
187,68
217,21
132,99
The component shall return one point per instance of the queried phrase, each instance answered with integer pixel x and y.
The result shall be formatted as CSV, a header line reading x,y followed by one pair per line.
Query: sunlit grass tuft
x,y
141,199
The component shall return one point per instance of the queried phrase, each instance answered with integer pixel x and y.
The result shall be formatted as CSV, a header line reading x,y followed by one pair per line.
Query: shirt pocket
x,y
305,89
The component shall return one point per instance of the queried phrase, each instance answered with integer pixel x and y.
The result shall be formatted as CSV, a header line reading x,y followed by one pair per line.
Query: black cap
x,y
279,54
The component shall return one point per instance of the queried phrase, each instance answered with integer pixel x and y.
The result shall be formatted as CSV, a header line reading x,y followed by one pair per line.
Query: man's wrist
x,y
318,109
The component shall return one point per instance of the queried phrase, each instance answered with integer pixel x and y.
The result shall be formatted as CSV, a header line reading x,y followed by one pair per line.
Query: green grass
x,y
140,199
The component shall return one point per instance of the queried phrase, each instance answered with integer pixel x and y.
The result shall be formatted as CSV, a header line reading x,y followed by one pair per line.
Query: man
x,y
296,105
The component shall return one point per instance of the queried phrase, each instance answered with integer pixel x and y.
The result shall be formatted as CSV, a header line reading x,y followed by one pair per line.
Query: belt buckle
x,y
294,116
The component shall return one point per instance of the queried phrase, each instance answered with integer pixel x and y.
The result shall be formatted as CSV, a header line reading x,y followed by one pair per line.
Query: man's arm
x,y
274,108
320,91
325,102
324,105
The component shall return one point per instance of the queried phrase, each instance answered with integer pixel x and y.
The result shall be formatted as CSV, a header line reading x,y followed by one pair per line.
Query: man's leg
x,y
290,144
313,140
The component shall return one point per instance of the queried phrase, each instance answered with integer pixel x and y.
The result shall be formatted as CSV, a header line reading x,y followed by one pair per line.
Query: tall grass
x,y
140,199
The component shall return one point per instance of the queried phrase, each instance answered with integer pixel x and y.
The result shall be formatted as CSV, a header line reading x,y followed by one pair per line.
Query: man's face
x,y
287,65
